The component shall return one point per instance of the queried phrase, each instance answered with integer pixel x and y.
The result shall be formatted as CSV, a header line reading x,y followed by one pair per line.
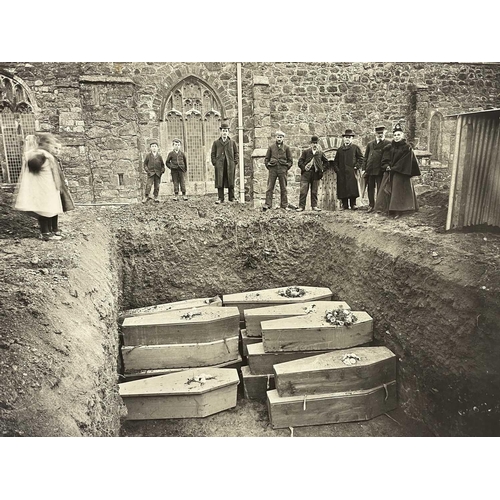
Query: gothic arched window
x,y
192,112
16,122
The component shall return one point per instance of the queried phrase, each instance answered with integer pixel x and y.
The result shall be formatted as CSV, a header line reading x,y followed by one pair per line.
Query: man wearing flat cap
x,y
373,164
177,163
154,168
278,162
347,161
224,157
312,164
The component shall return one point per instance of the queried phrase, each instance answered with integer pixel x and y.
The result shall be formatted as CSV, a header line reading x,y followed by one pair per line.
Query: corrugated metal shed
x,y
475,182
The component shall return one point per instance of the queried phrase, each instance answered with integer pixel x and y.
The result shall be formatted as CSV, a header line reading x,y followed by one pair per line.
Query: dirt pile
x,y
433,295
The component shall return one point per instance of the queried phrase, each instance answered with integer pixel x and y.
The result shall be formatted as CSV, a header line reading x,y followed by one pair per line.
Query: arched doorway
x,y
16,122
192,112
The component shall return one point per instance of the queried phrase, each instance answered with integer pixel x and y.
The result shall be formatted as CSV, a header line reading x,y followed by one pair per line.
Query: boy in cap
x,y
177,163
312,164
154,168
278,162
373,164
224,157
348,159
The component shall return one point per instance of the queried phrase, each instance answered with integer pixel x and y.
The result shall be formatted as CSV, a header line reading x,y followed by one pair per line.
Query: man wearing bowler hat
x,y
373,164
312,164
224,157
347,161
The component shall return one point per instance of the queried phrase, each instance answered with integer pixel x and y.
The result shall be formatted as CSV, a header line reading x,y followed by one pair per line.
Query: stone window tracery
x,y
192,113
16,122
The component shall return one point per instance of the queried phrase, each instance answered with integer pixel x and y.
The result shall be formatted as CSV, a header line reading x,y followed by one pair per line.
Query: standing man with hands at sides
x,y
312,164
154,168
224,157
177,163
373,172
278,162
347,161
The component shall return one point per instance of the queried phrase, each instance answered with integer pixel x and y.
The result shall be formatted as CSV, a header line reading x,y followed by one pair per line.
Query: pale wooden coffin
x,y
261,362
140,374
271,296
313,333
254,317
255,387
172,306
333,371
207,324
197,392
320,409
180,355
246,341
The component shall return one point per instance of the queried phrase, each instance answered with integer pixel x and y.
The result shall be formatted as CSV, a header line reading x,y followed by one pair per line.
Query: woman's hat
x,y
348,133
397,128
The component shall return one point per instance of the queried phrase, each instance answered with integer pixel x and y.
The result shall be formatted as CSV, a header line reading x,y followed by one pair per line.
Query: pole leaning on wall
x,y
240,134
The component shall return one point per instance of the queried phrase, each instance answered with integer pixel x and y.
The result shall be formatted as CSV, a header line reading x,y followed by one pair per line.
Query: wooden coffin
x,y
207,324
271,296
180,355
180,395
261,362
172,306
246,341
332,372
140,374
255,387
254,317
320,409
313,333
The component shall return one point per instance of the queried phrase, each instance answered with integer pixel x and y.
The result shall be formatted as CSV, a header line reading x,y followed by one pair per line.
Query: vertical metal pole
x,y
240,134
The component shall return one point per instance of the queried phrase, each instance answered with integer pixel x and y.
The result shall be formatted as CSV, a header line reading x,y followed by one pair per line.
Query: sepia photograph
x,y
207,247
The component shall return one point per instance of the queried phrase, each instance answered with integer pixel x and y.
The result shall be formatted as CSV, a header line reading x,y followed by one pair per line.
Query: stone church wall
x,y
106,113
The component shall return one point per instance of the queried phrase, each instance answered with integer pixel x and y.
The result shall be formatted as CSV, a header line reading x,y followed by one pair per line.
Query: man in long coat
x,y
347,161
373,164
224,158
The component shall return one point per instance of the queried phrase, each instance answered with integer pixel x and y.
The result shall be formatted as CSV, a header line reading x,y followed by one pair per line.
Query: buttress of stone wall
x,y
111,145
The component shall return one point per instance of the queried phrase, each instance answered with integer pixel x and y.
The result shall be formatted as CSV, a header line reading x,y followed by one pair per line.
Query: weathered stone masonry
x,y
106,113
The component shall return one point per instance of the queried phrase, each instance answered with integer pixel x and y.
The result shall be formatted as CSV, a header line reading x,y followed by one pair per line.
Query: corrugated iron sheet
x,y
475,183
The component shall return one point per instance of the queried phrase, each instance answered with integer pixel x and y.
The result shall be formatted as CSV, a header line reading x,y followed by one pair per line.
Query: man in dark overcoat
x,y
347,161
312,164
224,157
373,164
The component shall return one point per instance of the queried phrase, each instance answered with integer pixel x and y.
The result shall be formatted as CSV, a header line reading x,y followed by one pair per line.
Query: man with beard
x,y
278,162
373,164
397,194
312,164
347,161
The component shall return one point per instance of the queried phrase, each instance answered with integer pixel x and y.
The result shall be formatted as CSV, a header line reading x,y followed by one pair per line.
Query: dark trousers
x,y
153,179
280,174
178,178
372,181
48,224
225,182
346,202
307,179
